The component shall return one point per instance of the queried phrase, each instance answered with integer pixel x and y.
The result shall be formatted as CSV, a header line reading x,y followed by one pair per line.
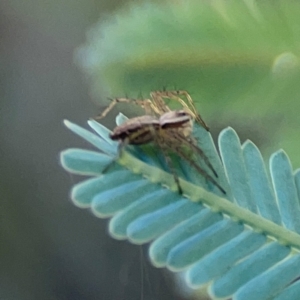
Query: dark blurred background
x,y
49,248
245,76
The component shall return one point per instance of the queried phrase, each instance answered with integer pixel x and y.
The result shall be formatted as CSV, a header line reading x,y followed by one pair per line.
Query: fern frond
x,y
245,246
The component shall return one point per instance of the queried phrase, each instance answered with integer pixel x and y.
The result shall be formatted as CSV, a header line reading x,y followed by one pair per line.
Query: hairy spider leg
x,y
158,97
181,153
169,163
187,141
164,149
183,139
200,170
122,144
191,107
146,104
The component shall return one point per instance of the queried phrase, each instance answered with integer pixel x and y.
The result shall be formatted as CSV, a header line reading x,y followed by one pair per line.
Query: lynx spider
x,y
169,129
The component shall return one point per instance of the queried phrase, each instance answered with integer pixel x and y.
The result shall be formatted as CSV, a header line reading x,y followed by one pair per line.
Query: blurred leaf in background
x,y
238,59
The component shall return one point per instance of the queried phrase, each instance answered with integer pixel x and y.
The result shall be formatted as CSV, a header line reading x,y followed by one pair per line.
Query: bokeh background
x,y
50,249
240,64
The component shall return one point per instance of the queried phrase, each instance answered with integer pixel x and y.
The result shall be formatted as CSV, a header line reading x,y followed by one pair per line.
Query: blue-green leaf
x,y
84,162
244,244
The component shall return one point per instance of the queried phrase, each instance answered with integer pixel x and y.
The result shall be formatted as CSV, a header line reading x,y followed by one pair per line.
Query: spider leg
x,y
159,96
198,168
122,144
158,140
190,143
175,95
159,103
146,104
170,164
107,110
172,95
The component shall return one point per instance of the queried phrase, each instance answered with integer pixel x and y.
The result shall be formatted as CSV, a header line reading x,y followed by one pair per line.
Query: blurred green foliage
x,y
238,59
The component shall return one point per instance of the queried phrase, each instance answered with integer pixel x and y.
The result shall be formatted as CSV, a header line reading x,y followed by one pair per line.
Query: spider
x,y
170,130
